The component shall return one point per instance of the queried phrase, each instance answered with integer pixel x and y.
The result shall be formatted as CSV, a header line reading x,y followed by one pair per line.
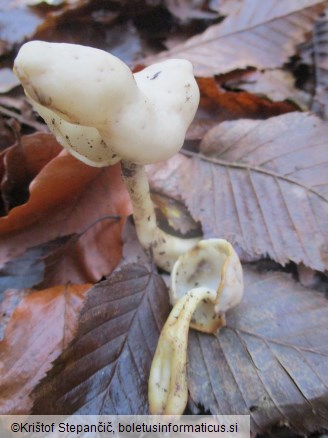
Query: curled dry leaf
x,y
105,369
67,197
270,361
41,327
264,187
262,34
21,163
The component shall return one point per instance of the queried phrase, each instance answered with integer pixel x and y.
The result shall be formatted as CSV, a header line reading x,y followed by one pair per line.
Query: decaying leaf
x,y
173,217
264,187
270,361
66,198
218,105
21,163
105,369
263,34
277,85
41,327
28,269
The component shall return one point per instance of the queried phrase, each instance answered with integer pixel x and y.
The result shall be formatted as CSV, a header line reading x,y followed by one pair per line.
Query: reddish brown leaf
x,y
31,268
41,327
22,162
217,105
277,85
67,197
270,361
105,369
262,34
89,255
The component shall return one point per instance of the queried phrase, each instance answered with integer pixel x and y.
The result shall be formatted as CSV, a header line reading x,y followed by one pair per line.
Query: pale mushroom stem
x,y
167,386
165,248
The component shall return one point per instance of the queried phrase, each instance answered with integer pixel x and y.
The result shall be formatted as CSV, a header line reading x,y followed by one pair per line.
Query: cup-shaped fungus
x,y
206,282
102,113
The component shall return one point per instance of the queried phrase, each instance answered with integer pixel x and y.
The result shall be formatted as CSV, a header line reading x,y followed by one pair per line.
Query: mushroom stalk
x,y
164,247
167,388
205,283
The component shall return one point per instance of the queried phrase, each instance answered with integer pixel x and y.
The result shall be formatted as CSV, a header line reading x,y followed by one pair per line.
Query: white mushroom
x,y
102,113
206,282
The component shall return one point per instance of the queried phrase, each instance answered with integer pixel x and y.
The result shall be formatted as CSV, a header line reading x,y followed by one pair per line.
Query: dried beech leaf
x,y
41,327
277,85
164,176
87,256
66,198
218,105
270,361
105,369
28,269
263,34
22,162
264,186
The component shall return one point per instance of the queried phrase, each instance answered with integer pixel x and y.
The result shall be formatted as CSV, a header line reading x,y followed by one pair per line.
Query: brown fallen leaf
x,y
28,269
66,198
87,256
276,84
41,327
22,162
262,35
263,187
218,105
270,361
105,369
